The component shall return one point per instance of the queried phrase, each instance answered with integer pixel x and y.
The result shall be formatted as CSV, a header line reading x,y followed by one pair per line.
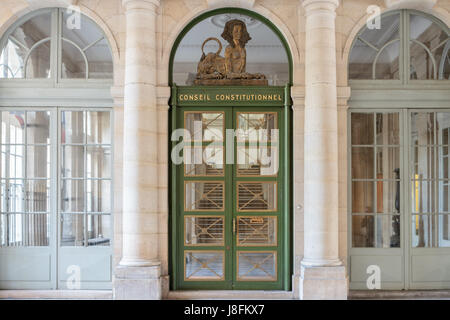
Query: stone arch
x,y
37,5
441,14
277,22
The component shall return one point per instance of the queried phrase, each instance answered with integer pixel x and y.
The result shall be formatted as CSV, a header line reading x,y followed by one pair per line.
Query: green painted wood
x,y
230,178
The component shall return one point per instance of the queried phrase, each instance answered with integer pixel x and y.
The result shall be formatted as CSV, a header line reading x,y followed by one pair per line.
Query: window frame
x,y
56,80
404,80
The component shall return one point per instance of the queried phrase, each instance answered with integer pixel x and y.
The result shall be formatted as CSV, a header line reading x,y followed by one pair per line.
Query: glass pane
x,y
204,231
257,127
203,161
373,41
388,196
38,162
13,127
423,129
99,230
388,163
204,265
98,162
12,159
257,161
100,61
362,128
19,44
38,127
72,230
13,195
206,196
445,162
73,65
388,128
256,196
72,127
362,197
72,161
257,231
88,36
444,196
388,231
72,196
362,163
444,239
423,231
24,230
260,266
424,163
265,53
38,64
38,196
98,127
423,196
205,126
387,65
363,232
425,33
98,194
12,60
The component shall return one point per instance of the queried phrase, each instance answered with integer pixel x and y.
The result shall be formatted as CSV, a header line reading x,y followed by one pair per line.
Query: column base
x,y
323,283
137,283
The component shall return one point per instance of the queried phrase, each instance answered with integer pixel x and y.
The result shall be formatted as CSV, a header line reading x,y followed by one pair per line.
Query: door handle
x,y
234,226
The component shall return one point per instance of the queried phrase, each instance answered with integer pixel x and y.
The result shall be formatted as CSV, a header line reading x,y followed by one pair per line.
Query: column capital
x,y
313,5
141,4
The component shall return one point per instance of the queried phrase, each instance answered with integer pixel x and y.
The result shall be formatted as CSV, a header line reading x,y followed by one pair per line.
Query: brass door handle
x,y
234,225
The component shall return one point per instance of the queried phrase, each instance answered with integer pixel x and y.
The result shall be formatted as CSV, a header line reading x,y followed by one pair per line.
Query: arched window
x,y
266,52
56,158
383,53
55,44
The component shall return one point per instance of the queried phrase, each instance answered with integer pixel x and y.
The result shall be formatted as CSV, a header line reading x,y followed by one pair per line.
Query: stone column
x,y
322,274
138,275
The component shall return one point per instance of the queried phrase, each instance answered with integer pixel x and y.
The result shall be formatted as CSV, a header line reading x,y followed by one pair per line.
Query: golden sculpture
x,y
213,69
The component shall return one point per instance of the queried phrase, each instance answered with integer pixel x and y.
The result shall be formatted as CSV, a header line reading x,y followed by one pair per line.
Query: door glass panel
x,y
362,128
257,231
362,197
204,265
204,126
72,127
259,266
99,230
98,196
363,232
388,231
98,127
388,162
38,196
38,127
257,196
204,230
38,162
72,230
24,230
257,127
13,128
72,196
206,196
204,161
257,161
363,163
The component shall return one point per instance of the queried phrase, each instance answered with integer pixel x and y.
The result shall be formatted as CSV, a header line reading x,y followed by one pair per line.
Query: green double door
x,y
230,212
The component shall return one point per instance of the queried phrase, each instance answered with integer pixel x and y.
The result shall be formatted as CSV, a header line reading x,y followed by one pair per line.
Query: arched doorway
x,y
56,153
230,186
398,154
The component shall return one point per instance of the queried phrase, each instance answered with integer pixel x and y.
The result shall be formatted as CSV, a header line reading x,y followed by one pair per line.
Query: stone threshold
x,y
56,294
230,295
399,294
